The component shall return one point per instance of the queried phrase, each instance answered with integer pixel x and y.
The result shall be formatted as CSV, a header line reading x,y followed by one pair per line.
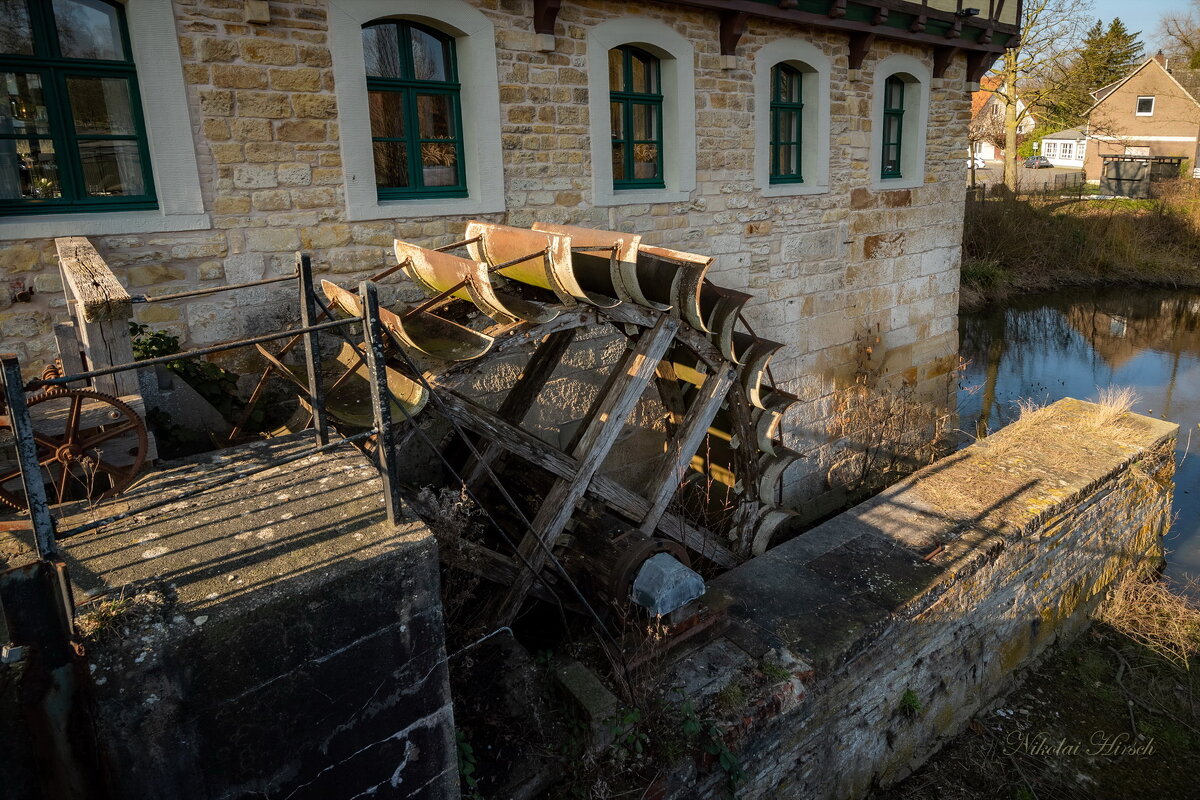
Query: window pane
x,y
617,116
28,170
894,93
430,56
645,121
25,109
645,161
891,159
643,73
618,161
111,168
387,114
788,126
891,130
789,85
439,164
616,71
15,33
101,105
391,164
787,159
435,114
88,29
381,51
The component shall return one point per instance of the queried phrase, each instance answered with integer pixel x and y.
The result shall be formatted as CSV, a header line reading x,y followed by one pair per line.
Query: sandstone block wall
x,y
824,269
944,586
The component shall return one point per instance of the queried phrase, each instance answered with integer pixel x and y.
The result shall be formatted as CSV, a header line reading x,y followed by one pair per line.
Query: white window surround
x,y
475,50
916,79
168,133
679,109
1137,109
1049,149
814,146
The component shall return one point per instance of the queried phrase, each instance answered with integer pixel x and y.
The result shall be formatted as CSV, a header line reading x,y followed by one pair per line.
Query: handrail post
x,y
381,399
312,347
26,447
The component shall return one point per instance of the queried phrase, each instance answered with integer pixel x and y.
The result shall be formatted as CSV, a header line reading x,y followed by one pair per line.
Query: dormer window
x,y
1145,106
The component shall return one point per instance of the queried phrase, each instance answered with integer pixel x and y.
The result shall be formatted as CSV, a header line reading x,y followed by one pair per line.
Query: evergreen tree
x,y
1105,56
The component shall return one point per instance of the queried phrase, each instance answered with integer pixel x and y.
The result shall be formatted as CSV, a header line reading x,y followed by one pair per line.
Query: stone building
x,y
813,147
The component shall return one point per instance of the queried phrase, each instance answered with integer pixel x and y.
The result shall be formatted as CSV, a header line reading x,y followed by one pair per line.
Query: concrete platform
x,y
273,636
231,545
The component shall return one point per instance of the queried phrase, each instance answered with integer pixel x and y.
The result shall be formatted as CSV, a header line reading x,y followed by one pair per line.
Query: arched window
x,y
893,127
415,109
636,114
787,124
900,123
791,118
72,137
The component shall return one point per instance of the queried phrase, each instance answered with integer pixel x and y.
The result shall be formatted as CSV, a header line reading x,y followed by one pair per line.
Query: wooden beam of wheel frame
x,y
684,444
627,503
636,371
523,394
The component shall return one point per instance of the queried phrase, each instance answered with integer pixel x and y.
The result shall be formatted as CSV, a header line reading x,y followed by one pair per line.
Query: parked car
x,y
979,163
1038,162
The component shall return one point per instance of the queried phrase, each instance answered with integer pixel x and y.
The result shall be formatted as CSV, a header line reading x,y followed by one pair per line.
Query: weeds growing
x,y
1013,245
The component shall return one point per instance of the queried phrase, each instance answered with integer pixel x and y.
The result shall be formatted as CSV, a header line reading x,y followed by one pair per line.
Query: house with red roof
x,y
987,119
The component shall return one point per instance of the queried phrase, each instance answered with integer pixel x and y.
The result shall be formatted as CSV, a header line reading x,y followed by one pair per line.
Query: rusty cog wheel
x,y
89,445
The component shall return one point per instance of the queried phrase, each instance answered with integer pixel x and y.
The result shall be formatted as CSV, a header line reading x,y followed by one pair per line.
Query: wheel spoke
x,y
106,435
46,440
73,419
62,482
6,478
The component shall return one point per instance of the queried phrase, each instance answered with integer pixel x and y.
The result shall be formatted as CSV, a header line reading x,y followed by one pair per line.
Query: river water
x,y
1072,343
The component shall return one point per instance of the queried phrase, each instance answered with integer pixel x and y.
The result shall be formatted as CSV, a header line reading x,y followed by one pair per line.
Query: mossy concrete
x,y
943,586
272,637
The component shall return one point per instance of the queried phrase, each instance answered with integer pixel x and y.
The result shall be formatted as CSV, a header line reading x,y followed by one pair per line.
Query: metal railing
x,y
312,309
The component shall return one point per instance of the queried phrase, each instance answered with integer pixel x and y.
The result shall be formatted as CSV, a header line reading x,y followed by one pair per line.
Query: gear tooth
x,y
58,392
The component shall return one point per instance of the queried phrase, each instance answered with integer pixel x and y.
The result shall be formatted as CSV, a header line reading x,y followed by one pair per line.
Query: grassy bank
x,y
1020,245
1114,715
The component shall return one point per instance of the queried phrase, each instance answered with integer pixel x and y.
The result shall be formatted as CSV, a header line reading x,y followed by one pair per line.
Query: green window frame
x,y
636,115
787,124
893,127
72,134
415,105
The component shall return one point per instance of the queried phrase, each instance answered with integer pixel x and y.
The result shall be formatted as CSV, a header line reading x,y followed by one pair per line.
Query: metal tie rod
x,y
158,298
220,348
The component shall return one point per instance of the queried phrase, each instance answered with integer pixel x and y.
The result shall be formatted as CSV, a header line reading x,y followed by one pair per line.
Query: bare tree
x,y
1039,66
1180,34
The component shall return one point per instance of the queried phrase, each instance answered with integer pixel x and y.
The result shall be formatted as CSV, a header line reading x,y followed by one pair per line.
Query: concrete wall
x,y
824,268
274,636
943,586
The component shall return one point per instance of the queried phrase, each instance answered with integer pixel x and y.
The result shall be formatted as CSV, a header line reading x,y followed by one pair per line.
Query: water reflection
x,y
1072,343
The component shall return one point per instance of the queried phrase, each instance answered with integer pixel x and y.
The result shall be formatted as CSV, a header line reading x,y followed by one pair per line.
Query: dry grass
x,y
1153,616
1012,245
1038,428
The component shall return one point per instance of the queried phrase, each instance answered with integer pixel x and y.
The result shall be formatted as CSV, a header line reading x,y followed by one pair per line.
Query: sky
x,y
1140,16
